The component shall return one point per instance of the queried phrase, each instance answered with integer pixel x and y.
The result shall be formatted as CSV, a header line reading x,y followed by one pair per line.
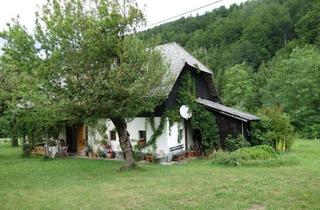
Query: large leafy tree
x,y
294,84
308,27
93,60
238,87
27,111
274,129
16,68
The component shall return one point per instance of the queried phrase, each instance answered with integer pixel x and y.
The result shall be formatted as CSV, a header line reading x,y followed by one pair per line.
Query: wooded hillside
x,y
263,53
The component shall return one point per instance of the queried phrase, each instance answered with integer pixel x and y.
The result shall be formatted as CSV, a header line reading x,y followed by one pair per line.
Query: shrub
x,y
274,129
205,121
313,132
221,157
246,156
233,144
27,149
260,152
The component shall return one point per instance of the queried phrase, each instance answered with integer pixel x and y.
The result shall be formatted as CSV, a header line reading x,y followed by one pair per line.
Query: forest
x,y
263,53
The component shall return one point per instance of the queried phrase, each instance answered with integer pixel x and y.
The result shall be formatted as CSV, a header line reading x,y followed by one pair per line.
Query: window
x,y
113,135
180,135
142,135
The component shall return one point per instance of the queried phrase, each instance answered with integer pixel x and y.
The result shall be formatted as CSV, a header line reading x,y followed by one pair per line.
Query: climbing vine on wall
x,y
205,121
201,119
97,130
157,131
180,135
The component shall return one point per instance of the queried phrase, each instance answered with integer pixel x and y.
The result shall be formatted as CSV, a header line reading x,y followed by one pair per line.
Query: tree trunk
x,y
14,136
14,141
125,144
46,152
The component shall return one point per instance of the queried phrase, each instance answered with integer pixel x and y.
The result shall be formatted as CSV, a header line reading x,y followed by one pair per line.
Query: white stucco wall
x,y
167,139
63,133
173,134
190,136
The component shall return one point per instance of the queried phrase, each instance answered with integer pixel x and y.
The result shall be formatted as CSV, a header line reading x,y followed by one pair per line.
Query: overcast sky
x,y
155,10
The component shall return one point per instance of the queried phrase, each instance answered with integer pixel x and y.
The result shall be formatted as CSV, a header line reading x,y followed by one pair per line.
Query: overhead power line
x,y
182,14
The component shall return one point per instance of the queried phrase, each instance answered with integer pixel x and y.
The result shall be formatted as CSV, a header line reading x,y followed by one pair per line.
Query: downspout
x,y
242,129
186,134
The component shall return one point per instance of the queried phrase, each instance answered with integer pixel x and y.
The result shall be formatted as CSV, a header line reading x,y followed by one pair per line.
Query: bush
x,y
220,157
27,149
274,129
260,152
233,144
312,132
205,121
246,156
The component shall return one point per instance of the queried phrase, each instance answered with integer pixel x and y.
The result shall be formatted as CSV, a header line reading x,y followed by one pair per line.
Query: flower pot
x,y
149,158
90,154
109,155
192,154
141,142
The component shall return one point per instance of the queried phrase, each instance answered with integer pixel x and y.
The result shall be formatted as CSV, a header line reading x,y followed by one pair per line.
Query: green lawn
x,y
90,184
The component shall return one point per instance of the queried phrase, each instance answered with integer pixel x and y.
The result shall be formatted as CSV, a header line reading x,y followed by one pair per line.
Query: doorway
x,y
197,142
76,138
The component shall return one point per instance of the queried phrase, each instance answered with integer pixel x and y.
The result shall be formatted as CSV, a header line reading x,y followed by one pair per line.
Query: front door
x,y
76,138
197,141
71,139
81,137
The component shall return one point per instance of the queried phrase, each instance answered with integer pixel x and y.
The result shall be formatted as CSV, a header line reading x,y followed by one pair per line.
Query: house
x,y
229,120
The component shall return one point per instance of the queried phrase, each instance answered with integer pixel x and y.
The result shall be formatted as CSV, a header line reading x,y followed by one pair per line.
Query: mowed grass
x,y
91,184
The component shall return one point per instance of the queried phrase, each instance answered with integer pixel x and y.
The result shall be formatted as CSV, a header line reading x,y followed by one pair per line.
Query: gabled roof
x,y
177,58
228,110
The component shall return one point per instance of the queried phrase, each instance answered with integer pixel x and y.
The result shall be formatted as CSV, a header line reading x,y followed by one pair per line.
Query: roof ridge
x,y
181,51
178,48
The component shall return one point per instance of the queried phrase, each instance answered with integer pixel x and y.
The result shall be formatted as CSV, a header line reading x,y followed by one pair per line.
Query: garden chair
x,y
64,151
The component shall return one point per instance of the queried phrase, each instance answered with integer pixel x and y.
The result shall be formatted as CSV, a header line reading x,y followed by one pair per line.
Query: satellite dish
x,y
185,112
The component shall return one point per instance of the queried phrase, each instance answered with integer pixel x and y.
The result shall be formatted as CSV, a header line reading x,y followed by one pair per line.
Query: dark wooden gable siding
x,y
204,89
204,86
230,126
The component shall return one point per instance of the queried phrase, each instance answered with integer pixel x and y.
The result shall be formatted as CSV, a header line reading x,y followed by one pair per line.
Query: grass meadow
x,y
72,183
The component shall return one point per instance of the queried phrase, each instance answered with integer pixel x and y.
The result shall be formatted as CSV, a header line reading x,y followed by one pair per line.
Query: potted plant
x,y
149,157
187,154
109,153
90,151
141,142
192,152
103,143
96,154
84,152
